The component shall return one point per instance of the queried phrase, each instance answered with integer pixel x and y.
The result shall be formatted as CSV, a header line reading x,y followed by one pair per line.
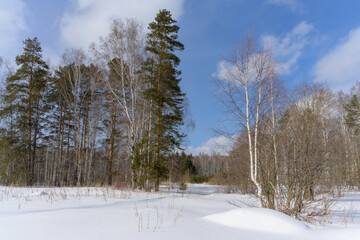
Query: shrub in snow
x,y
183,187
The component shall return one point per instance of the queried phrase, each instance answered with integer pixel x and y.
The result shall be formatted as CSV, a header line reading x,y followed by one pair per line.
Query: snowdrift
x,y
258,219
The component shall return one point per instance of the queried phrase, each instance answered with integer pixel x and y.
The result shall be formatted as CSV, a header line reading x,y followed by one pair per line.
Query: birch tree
x,y
243,84
121,52
73,60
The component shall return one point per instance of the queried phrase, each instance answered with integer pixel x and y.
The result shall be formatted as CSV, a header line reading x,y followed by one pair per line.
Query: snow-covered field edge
x,y
202,212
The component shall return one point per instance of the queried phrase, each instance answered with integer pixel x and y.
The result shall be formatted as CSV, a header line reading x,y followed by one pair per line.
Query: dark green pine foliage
x,y
22,109
352,119
164,92
181,164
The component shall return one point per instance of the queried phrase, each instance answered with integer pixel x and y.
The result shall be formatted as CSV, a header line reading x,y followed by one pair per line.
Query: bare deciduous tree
x,y
244,91
121,52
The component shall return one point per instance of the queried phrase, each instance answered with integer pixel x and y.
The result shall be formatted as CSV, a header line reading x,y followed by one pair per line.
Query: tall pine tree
x,y
23,97
352,119
164,93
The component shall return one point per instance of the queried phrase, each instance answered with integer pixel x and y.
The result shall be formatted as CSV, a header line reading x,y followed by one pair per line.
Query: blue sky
x,y
313,40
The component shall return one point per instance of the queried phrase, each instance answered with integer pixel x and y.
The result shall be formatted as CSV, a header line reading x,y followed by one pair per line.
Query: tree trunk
x,y
29,170
112,143
158,133
85,130
68,172
61,172
36,124
77,151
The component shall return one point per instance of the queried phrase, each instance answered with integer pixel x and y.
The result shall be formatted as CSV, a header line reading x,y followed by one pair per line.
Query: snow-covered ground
x,y
202,213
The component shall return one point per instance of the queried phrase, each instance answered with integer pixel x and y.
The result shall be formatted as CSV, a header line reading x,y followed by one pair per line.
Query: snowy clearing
x,y
203,213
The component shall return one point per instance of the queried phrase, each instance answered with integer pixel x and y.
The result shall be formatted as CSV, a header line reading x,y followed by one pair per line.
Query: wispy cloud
x,y
288,49
89,19
340,67
294,5
12,22
220,145
229,71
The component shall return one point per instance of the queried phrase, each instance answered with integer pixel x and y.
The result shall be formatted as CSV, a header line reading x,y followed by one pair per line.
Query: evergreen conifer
x,y
164,92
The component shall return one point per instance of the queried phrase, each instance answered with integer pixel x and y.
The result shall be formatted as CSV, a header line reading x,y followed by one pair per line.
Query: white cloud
x,y
229,71
287,50
90,19
224,69
12,22
294,5
341,66
52,56
221,145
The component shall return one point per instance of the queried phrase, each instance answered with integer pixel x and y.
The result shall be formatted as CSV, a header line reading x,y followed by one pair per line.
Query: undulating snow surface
x,y
202,213
258,219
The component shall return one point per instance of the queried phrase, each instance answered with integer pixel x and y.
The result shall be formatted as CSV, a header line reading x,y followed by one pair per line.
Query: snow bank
x,y
258,219
105,213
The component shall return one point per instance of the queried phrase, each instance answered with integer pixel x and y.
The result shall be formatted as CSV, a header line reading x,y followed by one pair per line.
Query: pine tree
x,y
164,92
23,97
352,119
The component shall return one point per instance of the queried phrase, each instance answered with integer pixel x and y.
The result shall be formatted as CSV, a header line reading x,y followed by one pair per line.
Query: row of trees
x,y
113,118
292,145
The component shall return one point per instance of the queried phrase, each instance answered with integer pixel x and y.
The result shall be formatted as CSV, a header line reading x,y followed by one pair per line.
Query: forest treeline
x,y
109,117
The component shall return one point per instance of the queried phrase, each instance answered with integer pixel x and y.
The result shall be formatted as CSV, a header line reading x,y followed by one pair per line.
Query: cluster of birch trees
x,y
292,145
110,116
